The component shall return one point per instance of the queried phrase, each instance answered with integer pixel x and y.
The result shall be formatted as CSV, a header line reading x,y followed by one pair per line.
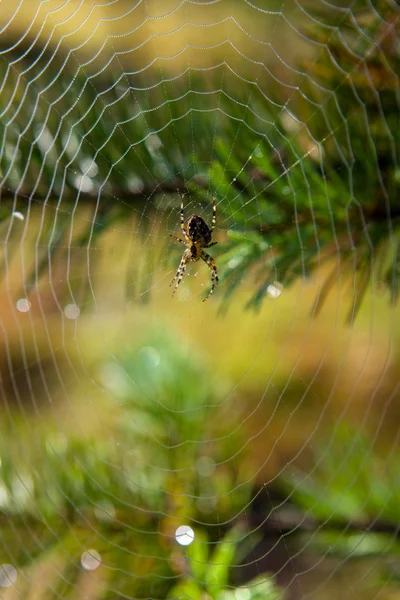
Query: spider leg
x,y
174,237
211,244
214,217
214,273
182,217
183,220
180,271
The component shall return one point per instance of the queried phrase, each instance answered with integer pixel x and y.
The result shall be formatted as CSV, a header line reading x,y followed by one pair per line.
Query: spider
x,y
197,236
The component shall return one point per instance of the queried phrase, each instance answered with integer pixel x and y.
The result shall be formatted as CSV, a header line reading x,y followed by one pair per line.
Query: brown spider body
x,y
197,237
198,231
199,234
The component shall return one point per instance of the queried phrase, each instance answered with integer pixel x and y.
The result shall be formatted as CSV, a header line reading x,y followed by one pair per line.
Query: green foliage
x,y
167,421
161,448
358,544
170,396
350,483
210,573
338,199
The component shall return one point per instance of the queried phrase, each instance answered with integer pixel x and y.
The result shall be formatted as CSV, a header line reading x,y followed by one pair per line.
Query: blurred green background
x,y
265,419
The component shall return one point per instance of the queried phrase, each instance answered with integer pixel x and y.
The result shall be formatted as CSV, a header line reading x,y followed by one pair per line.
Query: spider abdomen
x,y
198,230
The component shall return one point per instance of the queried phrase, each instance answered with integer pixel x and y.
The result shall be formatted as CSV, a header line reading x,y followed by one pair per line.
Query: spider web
x,y
244,447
